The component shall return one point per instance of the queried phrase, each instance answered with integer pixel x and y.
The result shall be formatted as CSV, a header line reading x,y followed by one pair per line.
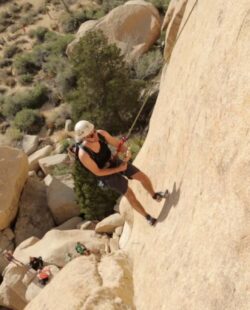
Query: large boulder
x,y
34,217
88,285
55,246
12,289
13,175
70,224
34,158
48,163
20,285
133,27
61,200
30,143
110,223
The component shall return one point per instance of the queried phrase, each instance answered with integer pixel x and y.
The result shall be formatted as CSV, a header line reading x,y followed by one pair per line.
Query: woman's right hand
x,y
123,166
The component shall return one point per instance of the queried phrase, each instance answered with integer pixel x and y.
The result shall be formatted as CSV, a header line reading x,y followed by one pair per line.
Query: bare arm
x,y
92,166
112,140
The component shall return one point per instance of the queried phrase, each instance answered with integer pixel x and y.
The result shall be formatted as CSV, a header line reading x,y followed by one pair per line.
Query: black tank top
x,y
104,154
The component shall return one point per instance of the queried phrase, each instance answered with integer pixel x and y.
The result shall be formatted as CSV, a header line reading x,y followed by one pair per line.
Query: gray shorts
x,y
119,181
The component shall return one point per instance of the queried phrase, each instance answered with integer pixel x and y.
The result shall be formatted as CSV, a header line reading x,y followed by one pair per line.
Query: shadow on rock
x,y
170,202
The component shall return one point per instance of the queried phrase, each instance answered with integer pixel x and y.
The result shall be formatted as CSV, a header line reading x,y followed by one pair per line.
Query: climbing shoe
x,y
151,220
158,196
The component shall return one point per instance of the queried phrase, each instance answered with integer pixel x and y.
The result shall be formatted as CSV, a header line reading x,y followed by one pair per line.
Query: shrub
x,y
15,8
95,203
5,63
65,143
31,99
14,28
65,80
2,28
26,63
70,23
13,134
29,121
161,5
62,169
108,5
11,50
11,82
27,6
25,79
58,116
54,44
39,34
148,65
28,19
104,93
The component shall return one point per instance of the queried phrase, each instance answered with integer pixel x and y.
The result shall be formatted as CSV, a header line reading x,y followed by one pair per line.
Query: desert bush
x,y
161,5
14,134
25,79
70,23
27,63
29,121
5,19
148,65
14,28
5,63
2,28
58,116
38,34
62,169
31,99
55,44
28,19
15,8
11,51
11,82
108,5
27,7
65,80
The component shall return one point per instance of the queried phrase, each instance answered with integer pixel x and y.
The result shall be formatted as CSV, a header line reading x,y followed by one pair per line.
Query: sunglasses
x,y
91,135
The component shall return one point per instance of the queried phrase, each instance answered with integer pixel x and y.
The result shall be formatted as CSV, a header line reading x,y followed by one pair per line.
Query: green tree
x,y
95,202
29,121
105,92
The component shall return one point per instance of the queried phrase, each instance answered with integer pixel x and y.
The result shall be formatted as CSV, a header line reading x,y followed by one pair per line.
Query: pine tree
x,y
95,203
105,93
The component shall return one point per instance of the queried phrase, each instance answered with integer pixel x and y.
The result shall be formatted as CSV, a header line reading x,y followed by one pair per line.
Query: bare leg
x,y
134,202
145,181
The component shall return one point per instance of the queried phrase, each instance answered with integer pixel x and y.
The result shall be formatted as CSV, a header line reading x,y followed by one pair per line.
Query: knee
x,y
130,194
139,176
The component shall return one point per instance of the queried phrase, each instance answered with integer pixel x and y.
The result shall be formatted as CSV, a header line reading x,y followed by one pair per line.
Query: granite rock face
x,y
13,175
198,147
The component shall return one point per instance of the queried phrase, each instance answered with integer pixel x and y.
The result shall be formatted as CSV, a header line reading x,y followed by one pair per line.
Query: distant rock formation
x,y
133,27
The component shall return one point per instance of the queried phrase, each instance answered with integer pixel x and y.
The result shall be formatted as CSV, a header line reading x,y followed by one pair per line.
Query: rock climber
x,y
95,155
36,262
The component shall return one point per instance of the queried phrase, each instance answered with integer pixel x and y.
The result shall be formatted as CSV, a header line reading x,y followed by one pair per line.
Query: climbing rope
x,y
125,138
180,32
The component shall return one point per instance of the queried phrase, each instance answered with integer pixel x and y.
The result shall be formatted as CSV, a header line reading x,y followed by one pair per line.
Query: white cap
x,y
82,129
